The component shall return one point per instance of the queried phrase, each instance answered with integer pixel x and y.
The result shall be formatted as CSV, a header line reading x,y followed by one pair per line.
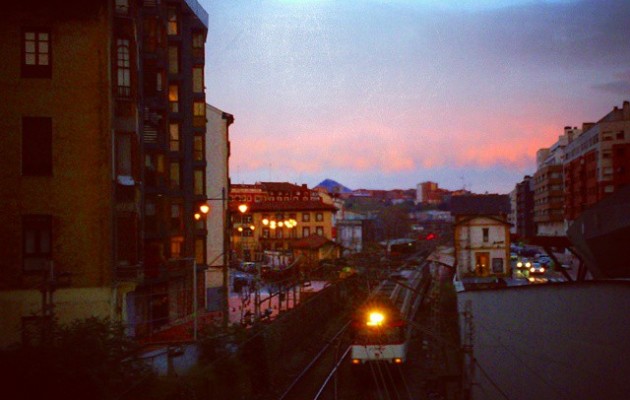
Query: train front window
x,y
379,335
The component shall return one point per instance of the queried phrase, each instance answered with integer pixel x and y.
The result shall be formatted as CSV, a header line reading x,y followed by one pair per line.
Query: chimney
x,y
626,110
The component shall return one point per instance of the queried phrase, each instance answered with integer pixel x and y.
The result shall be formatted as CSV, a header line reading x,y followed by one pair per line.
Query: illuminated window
x,y
36,146
123,67
199,113
173,60
172,21
198,148
36,54
320,230
306,217
319,217
173,132
198,79
177,244
306,231
173,98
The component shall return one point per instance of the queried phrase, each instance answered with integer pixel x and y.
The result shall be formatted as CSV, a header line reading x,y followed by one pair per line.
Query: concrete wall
x,y
553,341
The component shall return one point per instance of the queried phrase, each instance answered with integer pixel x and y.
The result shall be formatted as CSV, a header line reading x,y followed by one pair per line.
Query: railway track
x,y
330,375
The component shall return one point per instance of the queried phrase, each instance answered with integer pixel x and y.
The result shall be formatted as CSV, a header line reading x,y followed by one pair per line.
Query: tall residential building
x,y
102,100
525,208
70,182
597,162
549,186
172,40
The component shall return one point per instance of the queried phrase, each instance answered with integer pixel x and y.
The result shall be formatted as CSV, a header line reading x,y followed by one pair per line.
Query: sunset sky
x,y
384,94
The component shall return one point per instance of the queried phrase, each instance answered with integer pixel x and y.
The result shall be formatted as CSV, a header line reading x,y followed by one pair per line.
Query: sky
x,y
385,94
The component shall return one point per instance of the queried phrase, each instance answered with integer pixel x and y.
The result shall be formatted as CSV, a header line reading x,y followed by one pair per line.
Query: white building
x,y
482,236
217,145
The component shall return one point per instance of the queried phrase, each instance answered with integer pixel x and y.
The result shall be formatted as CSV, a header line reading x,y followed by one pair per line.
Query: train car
x,y
379,333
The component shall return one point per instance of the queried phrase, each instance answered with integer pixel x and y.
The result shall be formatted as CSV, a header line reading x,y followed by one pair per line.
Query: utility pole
x,y
467,348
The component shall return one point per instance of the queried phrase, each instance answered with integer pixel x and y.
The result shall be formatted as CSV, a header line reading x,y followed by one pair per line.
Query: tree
x,y
87,358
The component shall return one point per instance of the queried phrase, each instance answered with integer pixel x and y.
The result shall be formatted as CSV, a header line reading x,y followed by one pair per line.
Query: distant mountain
x,y
333,187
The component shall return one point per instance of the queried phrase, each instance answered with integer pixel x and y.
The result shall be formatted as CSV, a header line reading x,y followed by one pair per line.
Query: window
x,y
620,135
159,81
173,98
198,148
319,217
126,238
177,243
198,79
122,6
320,230
172,21
123,67
36,242
123,154
173,60
198,42
265,233
37,146
200,251
173,133
199,113
176,216
306,231
485,234
36,54
279,233
174,175
151,34
198,183
497,265
306,217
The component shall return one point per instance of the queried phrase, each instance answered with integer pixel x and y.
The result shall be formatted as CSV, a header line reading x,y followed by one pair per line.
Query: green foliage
x,y
91,357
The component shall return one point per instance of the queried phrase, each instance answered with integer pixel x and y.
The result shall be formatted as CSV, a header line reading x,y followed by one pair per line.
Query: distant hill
x,y
333,187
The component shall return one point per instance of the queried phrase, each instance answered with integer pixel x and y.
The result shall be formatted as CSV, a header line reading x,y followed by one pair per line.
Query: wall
x,y
553,341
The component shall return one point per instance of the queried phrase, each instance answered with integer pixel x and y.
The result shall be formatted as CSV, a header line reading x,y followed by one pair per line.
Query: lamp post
x,y
204,210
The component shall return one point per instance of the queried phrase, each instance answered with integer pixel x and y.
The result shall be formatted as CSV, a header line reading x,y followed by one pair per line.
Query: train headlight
x,y
375,318
398,360
356,361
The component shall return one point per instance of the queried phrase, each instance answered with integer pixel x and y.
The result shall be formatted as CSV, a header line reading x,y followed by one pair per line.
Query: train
x,y
380,328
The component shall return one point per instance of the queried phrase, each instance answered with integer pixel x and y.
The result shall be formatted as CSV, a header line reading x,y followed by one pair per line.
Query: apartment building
x,y
278,214
100,183
70,180
597,162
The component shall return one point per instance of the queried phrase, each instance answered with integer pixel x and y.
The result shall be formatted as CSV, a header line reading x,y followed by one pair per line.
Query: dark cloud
x,y
617,87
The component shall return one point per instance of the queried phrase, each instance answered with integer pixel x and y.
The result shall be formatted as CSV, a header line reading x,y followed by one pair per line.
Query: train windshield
x,y
368,335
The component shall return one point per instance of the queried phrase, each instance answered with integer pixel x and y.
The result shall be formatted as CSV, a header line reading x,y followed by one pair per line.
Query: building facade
x,y
482,236
525,227
597,162
102,181
278,214
217,146
70,182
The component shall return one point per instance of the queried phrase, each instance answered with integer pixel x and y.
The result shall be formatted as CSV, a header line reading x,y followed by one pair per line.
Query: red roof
x,y
312,242
288,205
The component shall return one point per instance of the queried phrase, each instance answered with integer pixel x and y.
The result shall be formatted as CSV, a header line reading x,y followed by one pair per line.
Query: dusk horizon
x,y
388,94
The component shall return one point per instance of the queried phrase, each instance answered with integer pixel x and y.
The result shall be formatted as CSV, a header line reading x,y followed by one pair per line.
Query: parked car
x,y
536,268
